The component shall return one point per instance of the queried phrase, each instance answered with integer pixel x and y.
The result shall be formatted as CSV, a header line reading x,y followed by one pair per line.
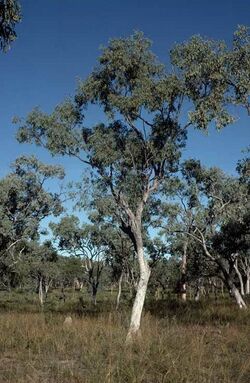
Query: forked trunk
x,y
140,296
231,287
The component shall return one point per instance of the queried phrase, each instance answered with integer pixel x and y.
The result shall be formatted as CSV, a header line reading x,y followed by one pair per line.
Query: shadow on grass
x,y
205,312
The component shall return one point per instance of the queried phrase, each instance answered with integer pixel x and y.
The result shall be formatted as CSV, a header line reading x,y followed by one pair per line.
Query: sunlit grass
x,y
185,344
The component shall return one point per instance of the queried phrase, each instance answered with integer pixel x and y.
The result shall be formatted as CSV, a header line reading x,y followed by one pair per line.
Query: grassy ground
x,y
180,343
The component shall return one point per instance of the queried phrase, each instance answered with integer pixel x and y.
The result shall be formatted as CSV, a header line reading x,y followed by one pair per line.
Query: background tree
x,y
85,243
10,15
215,200
43,268
24,203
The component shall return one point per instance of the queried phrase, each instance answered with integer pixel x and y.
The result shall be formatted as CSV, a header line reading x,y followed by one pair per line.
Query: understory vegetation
x,y
189,342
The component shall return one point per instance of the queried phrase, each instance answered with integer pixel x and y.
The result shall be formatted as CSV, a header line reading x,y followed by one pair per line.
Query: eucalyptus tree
x,y
233,241
10,15
165,268
69,270
215,200
42,266
24,203
148,110
119,255
85,242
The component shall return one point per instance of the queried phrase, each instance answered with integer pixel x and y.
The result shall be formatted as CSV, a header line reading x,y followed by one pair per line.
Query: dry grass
x,y
36,347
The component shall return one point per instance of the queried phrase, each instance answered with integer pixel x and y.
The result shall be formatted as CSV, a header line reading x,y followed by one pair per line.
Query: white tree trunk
x,y
119,291
47,286
234,291
230,284
40,292
140,296
238,298
184,292
242,291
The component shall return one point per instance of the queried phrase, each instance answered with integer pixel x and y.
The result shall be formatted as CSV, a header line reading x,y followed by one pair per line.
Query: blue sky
x,y
59,40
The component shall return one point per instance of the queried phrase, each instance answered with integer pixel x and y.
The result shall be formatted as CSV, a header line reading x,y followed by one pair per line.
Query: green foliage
x,y
234,237
10,15
134,153
140,147
213,76
24,203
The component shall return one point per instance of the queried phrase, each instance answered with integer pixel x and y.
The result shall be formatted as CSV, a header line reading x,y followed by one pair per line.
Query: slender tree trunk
x,y
119,291
94,292
222,289
197,290
47,286
248,283
46,290
231,286
228,280
238,298
247,275
183,281
40,291
242,291
140,295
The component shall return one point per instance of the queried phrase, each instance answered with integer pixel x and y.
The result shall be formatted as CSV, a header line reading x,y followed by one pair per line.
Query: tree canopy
x,y
10,15
134,153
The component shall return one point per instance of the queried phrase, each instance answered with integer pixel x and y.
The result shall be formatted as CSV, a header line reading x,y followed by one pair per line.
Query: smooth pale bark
x,y
119,291
47,286
231,286
238,298
135,233
140,296
245,264
40,291
46,290
242,291
227,278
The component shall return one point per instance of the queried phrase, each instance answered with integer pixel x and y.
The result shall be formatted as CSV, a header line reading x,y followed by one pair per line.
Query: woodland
x,y
147,278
